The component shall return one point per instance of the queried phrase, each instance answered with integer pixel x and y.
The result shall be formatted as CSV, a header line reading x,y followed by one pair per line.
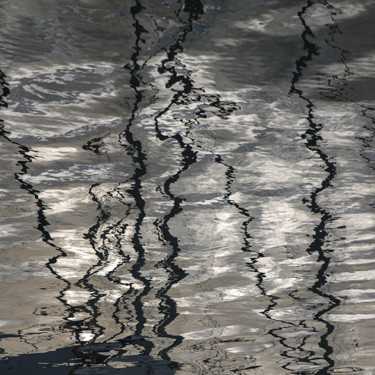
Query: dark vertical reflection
x,y
105,238
186,94
313,141
254,256
126,331
139,159
90,352
168,307
222,109
42,223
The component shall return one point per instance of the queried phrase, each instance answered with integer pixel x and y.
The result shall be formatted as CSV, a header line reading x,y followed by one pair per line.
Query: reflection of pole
x,y
139,159
168,306
312,139
42,222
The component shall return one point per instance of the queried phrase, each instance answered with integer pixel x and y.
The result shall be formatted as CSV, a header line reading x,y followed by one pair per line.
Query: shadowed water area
x,y
187,187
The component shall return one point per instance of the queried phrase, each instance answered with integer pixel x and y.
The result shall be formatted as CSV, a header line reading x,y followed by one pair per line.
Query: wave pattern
x,y
187,188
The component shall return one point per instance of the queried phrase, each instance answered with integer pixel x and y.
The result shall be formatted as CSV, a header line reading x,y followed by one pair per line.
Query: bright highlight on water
x,y
187,187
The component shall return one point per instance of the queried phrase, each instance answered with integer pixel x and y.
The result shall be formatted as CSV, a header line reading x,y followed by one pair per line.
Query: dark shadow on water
x,y
54,362
64,362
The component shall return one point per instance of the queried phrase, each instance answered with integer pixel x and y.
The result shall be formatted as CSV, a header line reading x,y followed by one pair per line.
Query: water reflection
x,y
23,164
313,141
194,196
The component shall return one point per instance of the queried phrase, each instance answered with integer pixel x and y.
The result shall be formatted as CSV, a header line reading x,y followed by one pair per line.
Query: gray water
x,y
187,187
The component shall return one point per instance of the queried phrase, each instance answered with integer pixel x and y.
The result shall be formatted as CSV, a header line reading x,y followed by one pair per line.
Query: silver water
x,y
187,187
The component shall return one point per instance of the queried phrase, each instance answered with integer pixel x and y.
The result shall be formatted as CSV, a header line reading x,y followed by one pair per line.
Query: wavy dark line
x,y
312,139
139,157
225,109
91,307
230,175
167,305
113,233
25,151
107,244
311,48
134,149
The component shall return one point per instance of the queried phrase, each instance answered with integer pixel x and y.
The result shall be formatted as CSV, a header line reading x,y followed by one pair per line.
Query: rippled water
x,y
187,187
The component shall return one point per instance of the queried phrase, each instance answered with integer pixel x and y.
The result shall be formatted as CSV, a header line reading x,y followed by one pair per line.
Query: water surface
x,y
187,187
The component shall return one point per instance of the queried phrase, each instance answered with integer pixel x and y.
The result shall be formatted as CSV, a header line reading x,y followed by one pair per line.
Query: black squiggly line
x,y
106,243
91,307
167,305
25,151
312,139
255,256
230,175
224,110
134,147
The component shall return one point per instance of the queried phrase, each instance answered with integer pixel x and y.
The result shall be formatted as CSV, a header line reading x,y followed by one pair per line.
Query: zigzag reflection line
x,y
312,139
25,151
211,100
168,306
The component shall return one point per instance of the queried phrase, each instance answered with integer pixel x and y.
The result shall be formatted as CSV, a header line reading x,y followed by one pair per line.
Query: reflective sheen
x,y
187,187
